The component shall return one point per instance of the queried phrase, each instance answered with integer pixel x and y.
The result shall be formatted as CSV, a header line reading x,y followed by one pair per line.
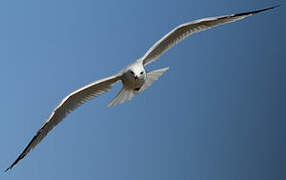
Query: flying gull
x,y
134,77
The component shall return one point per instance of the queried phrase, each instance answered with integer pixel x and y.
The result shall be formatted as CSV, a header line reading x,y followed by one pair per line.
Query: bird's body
x,y
134,77
137,70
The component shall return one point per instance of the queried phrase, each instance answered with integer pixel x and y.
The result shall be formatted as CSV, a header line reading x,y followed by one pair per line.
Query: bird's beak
x,y
136,78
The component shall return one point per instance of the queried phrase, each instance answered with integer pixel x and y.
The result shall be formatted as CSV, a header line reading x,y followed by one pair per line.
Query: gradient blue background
x,y
218,113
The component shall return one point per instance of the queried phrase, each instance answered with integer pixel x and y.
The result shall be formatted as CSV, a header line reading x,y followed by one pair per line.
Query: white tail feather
x,y
127,94
153,76
122,96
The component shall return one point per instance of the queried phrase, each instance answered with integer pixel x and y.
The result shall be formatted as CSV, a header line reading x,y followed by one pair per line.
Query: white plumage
x,y
134,77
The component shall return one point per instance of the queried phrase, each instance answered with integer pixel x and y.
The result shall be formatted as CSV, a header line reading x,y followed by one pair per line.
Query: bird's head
x,y
138,73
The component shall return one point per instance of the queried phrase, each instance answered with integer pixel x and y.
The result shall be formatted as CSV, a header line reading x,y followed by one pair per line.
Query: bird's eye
x,y
132,72
141,72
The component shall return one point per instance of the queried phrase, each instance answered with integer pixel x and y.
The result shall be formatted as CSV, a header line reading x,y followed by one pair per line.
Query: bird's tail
x,y
124,95
127,94
153,76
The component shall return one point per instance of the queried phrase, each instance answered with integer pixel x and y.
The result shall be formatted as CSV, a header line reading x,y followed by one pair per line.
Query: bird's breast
x,y
132,83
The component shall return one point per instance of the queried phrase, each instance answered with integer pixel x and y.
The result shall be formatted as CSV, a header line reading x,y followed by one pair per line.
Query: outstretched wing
x,y
182,31
68,104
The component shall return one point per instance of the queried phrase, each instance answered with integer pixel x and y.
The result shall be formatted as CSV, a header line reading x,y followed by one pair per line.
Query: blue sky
x,y
218,113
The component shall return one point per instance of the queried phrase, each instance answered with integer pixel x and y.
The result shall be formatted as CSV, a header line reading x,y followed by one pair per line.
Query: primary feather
x,y
68,104
183,31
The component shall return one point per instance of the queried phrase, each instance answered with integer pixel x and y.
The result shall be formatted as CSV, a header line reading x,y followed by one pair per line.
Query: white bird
x,y
134,77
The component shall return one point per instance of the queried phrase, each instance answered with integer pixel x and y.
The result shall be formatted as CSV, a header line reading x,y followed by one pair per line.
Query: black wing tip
x,y
266,9
23,154
12,165
257,11
8,169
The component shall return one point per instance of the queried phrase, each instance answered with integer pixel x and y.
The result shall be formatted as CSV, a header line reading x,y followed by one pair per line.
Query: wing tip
x,y
266,9
257,11
23,154
7,169
11,166
14,163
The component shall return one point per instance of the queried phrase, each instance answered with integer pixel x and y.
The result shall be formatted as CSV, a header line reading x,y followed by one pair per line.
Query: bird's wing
x,y
68,104
182,31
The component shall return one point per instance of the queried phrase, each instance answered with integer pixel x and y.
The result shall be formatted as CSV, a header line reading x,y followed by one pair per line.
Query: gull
x,y
134,77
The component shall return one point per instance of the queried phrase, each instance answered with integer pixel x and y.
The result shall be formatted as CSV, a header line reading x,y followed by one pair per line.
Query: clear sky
x,y
218,113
